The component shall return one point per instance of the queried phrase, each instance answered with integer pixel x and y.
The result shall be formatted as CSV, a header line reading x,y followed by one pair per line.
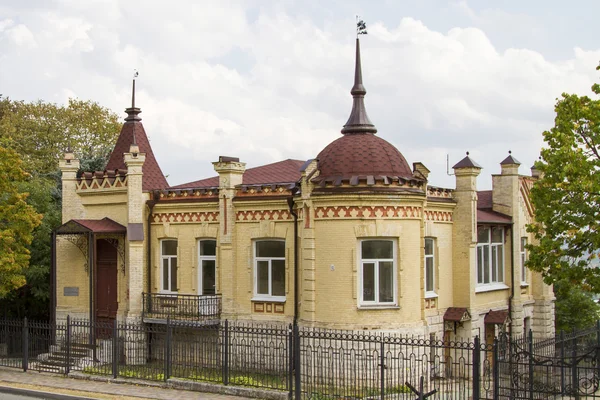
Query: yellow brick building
x,y
352,239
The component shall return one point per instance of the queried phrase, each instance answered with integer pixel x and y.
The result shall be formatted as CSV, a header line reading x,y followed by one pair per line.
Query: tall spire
x,y
133,111
359,121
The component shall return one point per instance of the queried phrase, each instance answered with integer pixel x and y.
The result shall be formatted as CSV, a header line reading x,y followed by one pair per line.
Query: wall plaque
x,y
71,291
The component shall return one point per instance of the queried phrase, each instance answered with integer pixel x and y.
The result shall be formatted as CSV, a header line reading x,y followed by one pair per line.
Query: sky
x,y
267,80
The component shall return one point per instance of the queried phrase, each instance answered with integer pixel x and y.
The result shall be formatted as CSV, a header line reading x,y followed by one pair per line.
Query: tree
x,y
575,308
567,196
40,132
17,222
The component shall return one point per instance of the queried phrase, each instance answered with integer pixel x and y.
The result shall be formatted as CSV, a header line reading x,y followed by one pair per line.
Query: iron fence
x,y
310,363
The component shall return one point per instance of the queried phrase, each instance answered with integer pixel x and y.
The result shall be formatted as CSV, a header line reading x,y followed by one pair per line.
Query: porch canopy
x,y
82,233
81,226
497,317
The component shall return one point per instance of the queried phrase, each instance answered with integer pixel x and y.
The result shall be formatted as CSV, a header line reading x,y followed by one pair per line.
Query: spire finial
x,y
358,122
133,111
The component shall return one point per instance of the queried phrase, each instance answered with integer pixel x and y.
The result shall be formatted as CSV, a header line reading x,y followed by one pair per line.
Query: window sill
x,y
431,295
363,307
524,285
491,288
268,299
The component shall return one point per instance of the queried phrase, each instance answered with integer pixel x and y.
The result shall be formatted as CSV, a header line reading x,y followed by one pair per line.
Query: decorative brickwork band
x,y
263,215
189,217
444,216
99,180
368,212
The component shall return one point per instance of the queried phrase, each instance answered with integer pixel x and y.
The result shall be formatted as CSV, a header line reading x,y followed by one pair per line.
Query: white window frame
x,y
162,266
200,268
432,256
269,296
361,302
523,253
499,246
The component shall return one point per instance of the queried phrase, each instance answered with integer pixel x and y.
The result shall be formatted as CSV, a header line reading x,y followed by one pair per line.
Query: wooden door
x,y
106,281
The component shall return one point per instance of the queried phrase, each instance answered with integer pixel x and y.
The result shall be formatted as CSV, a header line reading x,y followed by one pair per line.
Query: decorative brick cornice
x,y
188,194
263,190
262,215
444,216
404,212
186,217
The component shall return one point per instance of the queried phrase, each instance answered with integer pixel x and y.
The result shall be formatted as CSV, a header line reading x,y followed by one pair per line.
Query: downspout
x,y
290,201
150,204
512,274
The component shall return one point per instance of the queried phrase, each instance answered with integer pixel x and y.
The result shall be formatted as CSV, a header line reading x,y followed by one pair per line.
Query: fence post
x,y
115,343
168,350
531,377
297,363
574,379
68,339
476,369
598,347
562,362
226,353
290,381
496,371
382,368
25,345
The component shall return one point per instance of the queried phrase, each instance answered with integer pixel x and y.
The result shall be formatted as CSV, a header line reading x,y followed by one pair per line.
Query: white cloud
x,y
214,81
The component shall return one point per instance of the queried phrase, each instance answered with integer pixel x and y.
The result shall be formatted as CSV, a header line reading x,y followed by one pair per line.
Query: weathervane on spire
x,y
361,26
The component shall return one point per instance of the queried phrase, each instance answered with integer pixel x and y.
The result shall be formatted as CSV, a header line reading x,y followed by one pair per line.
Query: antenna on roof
x,y
135,75
448,164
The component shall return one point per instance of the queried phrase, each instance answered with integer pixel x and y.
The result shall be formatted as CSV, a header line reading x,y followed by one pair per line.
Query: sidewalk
x,y
37,381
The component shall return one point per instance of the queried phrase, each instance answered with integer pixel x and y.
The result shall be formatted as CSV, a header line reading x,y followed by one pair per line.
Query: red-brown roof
x,y
496,317
457,314
484,199
104,225
492,217
153,177
361,154
286,171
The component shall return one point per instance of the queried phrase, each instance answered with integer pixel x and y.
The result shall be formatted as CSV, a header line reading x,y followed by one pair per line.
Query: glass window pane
x,y
173,274
377,249
483,234
278,277
208,277
497,235
369,282
486,264
523,243
270,248
386,282
428,247
165,277
169,247
479,264
494,263
429,274
208,247
262,277
500,264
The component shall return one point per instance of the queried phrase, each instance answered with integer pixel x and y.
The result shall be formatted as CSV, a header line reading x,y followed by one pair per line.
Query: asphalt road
x,y
24,394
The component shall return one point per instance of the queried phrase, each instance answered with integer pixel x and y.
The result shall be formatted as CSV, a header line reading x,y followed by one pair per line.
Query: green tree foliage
x,y
17,222
40,132
575,308
567,197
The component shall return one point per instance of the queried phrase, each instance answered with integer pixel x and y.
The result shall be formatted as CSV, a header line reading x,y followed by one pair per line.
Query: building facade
x,y
352,239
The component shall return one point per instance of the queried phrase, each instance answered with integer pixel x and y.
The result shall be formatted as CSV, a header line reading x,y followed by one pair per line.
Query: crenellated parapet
x,y
102,180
